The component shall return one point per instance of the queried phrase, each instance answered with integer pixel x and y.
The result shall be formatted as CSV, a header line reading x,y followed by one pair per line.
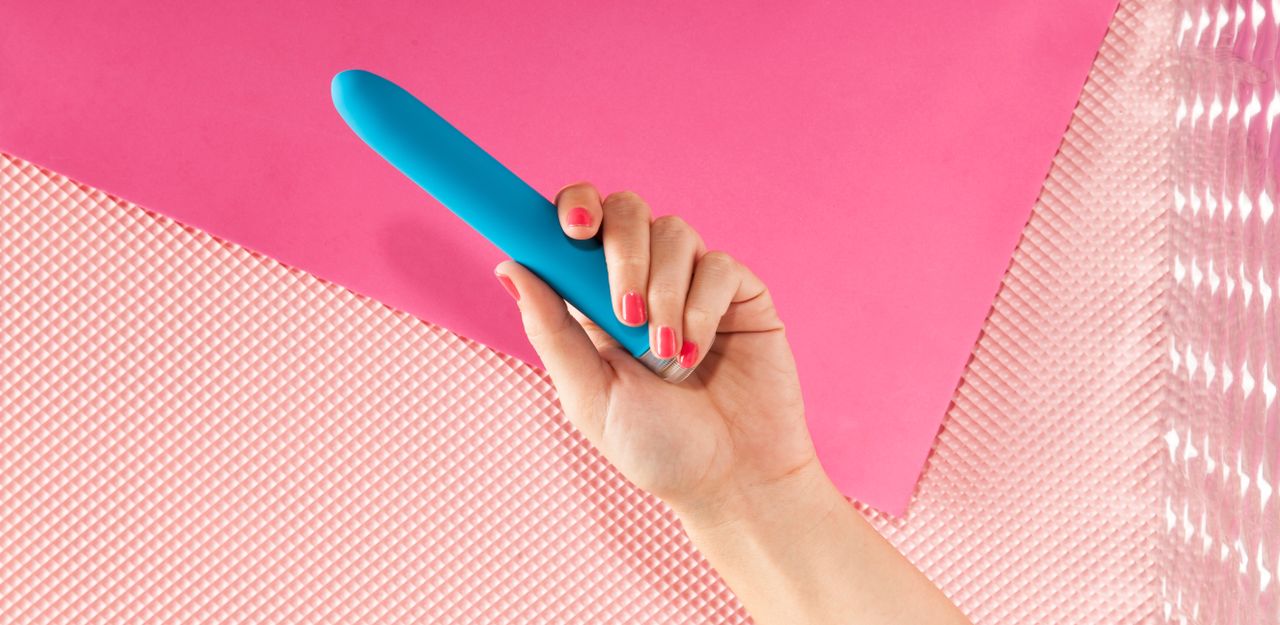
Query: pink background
x,y
194,433
874,162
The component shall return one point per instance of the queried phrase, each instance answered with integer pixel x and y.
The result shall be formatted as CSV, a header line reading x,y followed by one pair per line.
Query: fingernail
x,y
688,354
632,308
508,285
579,216
666,346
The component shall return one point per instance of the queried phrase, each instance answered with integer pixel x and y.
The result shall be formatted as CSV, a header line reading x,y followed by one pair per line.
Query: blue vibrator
x,y
490,198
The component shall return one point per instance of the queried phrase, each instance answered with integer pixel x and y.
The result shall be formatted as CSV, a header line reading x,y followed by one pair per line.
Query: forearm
x,y
796,552
777,530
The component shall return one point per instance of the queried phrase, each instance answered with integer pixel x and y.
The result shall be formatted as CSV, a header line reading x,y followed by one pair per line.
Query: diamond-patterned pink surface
x,y
190,432
1039,504
195,433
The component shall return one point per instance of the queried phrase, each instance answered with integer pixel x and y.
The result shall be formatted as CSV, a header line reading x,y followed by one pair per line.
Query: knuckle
x,y
627,204
664,293
540,333
717,257
626,212
670,229
699,317
670,223
718,262
624,195
628,259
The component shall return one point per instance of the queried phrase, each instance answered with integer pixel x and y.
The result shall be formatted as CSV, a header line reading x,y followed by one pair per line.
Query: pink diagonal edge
x,y
219,120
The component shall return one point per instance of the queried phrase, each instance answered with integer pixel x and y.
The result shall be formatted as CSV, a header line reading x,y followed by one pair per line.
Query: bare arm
x,y
798,552
728,448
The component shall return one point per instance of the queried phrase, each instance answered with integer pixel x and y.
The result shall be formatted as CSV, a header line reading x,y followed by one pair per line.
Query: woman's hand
x,y
727,448
737,422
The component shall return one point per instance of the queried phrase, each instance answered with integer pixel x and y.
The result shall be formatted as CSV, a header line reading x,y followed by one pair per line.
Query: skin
x,y
727,449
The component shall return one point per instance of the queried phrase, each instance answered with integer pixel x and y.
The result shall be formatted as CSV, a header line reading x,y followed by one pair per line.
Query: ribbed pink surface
x,y
193,433
1221,512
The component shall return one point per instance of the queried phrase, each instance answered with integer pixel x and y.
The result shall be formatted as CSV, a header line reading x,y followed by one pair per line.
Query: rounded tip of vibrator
x,y
372,106
350,81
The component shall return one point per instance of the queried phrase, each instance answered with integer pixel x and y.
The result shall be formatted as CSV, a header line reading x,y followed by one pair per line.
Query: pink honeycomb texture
x,y
193,433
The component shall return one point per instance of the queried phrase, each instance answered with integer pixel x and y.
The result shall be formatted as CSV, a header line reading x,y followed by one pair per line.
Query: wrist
x,y
765,511
787,547
794,550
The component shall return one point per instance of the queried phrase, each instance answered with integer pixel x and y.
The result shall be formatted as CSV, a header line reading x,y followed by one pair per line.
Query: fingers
x,y
564,347
580,210
660,273
719,281
674,248
626,220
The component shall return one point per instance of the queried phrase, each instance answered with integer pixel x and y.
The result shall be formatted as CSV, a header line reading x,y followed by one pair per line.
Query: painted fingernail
x,y
666,347
508,285
578,216
688,354
632,308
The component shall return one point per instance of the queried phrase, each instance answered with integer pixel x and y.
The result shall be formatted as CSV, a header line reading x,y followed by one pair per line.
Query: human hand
x,y
727,448
704,445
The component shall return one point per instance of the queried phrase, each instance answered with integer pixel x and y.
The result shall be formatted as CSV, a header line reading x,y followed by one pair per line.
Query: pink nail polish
x,y
508,285
632,308
688,354
666,346
578,216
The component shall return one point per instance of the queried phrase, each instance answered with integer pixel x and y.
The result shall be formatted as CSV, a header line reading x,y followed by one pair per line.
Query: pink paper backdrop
x,y
193,433
873,161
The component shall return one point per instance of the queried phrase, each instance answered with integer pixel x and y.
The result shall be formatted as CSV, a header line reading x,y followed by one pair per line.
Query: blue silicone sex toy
x,y
488,197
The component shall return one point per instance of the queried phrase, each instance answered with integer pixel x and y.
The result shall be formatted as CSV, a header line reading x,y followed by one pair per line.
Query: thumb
x,y
563,345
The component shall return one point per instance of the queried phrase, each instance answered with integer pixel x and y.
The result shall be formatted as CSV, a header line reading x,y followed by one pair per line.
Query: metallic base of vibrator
x,y
666,368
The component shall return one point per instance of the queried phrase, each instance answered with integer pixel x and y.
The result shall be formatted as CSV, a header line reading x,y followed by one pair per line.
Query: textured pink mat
x,y
193,433
1221,511
917,134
